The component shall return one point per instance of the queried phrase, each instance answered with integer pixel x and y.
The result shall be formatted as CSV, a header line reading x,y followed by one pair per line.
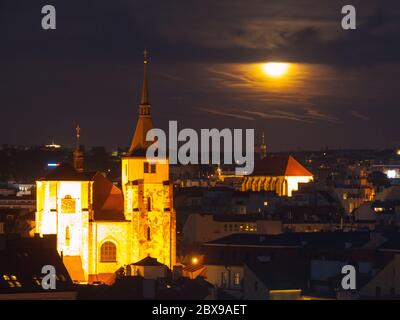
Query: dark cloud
x,y
206,30
89,69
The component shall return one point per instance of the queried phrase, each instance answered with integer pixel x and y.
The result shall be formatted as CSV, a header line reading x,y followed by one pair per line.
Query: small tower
x,y
78,154
263,147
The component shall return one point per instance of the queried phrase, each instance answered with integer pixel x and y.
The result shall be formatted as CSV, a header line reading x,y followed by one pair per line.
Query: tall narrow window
x,y
153,168
148,234
146,167
67,236
148,204
108,252
236,278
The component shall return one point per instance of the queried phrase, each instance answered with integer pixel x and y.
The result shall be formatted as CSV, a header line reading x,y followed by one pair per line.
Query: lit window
x,y
6,277
236,278
108,252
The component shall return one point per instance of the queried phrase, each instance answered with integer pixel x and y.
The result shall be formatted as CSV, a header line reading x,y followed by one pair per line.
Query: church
x,y
100,227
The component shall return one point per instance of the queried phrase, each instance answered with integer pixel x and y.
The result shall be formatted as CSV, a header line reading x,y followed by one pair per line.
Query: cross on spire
x,y
78,136
144,101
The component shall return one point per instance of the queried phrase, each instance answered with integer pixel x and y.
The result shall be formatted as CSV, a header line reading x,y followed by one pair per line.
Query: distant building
x,y
200,228
281,174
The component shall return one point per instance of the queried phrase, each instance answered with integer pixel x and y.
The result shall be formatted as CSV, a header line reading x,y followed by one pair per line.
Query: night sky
x,y
341,91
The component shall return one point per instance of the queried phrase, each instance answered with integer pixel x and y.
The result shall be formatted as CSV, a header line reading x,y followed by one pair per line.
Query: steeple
x,y
78,154
144,100
263,147
144,122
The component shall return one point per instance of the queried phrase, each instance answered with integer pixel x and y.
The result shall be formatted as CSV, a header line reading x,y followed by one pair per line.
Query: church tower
x,y
148,198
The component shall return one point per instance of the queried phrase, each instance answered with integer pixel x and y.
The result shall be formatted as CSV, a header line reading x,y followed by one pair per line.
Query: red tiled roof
x,y
108,200
279,166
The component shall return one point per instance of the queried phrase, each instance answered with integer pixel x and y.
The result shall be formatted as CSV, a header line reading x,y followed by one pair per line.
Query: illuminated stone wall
x,y
63,209
282,185
148,201
119,233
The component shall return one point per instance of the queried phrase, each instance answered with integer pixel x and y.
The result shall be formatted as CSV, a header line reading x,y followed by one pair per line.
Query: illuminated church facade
x,y
100,227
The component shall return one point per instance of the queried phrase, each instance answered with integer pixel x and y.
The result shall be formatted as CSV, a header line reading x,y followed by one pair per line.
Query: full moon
x,y
275,69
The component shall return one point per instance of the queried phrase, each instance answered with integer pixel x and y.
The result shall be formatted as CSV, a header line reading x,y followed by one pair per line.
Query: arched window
x,y
108,252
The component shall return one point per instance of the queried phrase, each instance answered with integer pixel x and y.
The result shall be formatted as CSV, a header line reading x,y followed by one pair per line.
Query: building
x,y
200,228
281,174
267,279
101,228
21,263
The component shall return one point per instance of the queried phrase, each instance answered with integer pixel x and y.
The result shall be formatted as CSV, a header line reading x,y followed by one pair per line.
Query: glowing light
x,y
195,260
52,165
391,174
275,69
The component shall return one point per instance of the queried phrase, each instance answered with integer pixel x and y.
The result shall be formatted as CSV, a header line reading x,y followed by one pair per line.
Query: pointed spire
x,y
144,123
78,158
263,147
144,100
78,136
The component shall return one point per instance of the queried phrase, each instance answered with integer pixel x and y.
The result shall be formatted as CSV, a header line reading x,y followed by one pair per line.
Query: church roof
x,y
65,172
279,166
